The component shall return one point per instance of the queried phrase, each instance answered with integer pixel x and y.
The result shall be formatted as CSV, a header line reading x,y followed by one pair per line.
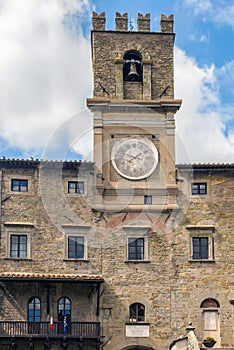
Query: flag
x,y
51,320
65,324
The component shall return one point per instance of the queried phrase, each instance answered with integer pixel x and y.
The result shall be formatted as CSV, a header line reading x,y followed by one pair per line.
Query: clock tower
x,y
133,106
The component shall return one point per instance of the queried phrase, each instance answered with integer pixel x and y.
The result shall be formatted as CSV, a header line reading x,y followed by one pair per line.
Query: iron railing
x,y
36,329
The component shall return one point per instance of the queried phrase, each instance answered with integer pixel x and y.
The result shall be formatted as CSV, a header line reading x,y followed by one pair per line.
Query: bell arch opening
x,y
132,67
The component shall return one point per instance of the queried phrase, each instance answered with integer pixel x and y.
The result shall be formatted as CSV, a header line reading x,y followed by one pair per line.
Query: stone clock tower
x,y
133,105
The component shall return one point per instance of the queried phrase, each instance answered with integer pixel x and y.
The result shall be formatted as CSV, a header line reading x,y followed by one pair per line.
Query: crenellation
x,y
143,22
99,21
121,22
167,24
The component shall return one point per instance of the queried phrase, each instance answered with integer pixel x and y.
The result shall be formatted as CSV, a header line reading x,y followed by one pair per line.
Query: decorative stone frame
x,y
200,231
137,232
19,228
21,177
76,231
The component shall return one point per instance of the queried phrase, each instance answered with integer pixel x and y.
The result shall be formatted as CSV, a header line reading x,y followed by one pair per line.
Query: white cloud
x,y
199,5
221,11
45,68
200,122
46,76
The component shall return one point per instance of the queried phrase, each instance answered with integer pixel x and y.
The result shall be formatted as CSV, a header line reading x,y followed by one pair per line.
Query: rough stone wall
x,y
107,46
169,284
132,91
121,22
143,22
194,281
99,21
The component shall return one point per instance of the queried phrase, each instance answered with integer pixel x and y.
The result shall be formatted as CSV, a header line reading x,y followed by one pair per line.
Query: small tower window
x,y
132,67
137,312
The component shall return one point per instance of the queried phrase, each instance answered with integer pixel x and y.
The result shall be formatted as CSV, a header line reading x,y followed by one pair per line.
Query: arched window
x,y
132,67
210,303
64,315
137,312
34,310
64,308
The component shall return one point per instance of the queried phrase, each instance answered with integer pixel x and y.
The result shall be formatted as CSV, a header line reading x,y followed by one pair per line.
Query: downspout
x,y
1,178
98,300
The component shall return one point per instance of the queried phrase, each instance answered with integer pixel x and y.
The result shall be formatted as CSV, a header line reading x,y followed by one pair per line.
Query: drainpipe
x,y
1,179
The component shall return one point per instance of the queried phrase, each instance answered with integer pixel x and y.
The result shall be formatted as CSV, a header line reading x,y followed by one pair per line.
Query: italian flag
x,y
51,320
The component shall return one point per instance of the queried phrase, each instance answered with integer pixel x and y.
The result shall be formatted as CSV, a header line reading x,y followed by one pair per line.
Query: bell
x,y
133,75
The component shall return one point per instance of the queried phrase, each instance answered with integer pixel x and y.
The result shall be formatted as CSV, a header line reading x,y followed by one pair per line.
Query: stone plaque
x,y
137,331
210,320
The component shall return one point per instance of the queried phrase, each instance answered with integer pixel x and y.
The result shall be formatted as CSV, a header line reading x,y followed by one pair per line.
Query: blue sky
x,y
46,75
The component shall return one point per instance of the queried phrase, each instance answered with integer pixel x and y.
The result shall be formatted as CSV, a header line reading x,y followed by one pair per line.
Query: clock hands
x,y
134,157
130,156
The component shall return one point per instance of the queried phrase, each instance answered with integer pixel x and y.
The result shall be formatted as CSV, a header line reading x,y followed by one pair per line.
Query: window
x,y
147,200
34,310
202,242
199,188
76,187
136,248
200,248
19,185
18,246
64,315
75,247
137,312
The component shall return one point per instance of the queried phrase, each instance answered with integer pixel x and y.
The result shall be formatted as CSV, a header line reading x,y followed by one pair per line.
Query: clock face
x,y
134,158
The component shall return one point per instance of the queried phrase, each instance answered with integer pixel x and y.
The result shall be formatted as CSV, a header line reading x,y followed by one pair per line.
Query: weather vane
x,y
131,25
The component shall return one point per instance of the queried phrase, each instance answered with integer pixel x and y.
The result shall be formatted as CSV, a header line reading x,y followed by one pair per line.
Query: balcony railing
x,y
84,330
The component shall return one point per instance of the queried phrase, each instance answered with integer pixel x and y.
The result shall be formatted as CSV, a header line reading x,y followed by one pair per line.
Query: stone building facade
x,y
120,253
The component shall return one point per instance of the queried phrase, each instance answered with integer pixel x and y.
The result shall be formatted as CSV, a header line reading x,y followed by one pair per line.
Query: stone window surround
x,y
76,179
137,232
199,184
200,181
76,231
211,321
202,231
21,177
19,228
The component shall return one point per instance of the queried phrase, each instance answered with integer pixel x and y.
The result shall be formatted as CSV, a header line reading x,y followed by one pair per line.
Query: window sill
x,y
20,193
137,261
76,260
18,259
139,323
77,194
202,260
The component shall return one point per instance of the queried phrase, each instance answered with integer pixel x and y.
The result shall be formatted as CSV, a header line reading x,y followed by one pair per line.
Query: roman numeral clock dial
x,y
134,158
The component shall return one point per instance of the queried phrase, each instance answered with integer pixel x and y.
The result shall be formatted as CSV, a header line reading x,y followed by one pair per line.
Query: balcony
x,y
29,333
